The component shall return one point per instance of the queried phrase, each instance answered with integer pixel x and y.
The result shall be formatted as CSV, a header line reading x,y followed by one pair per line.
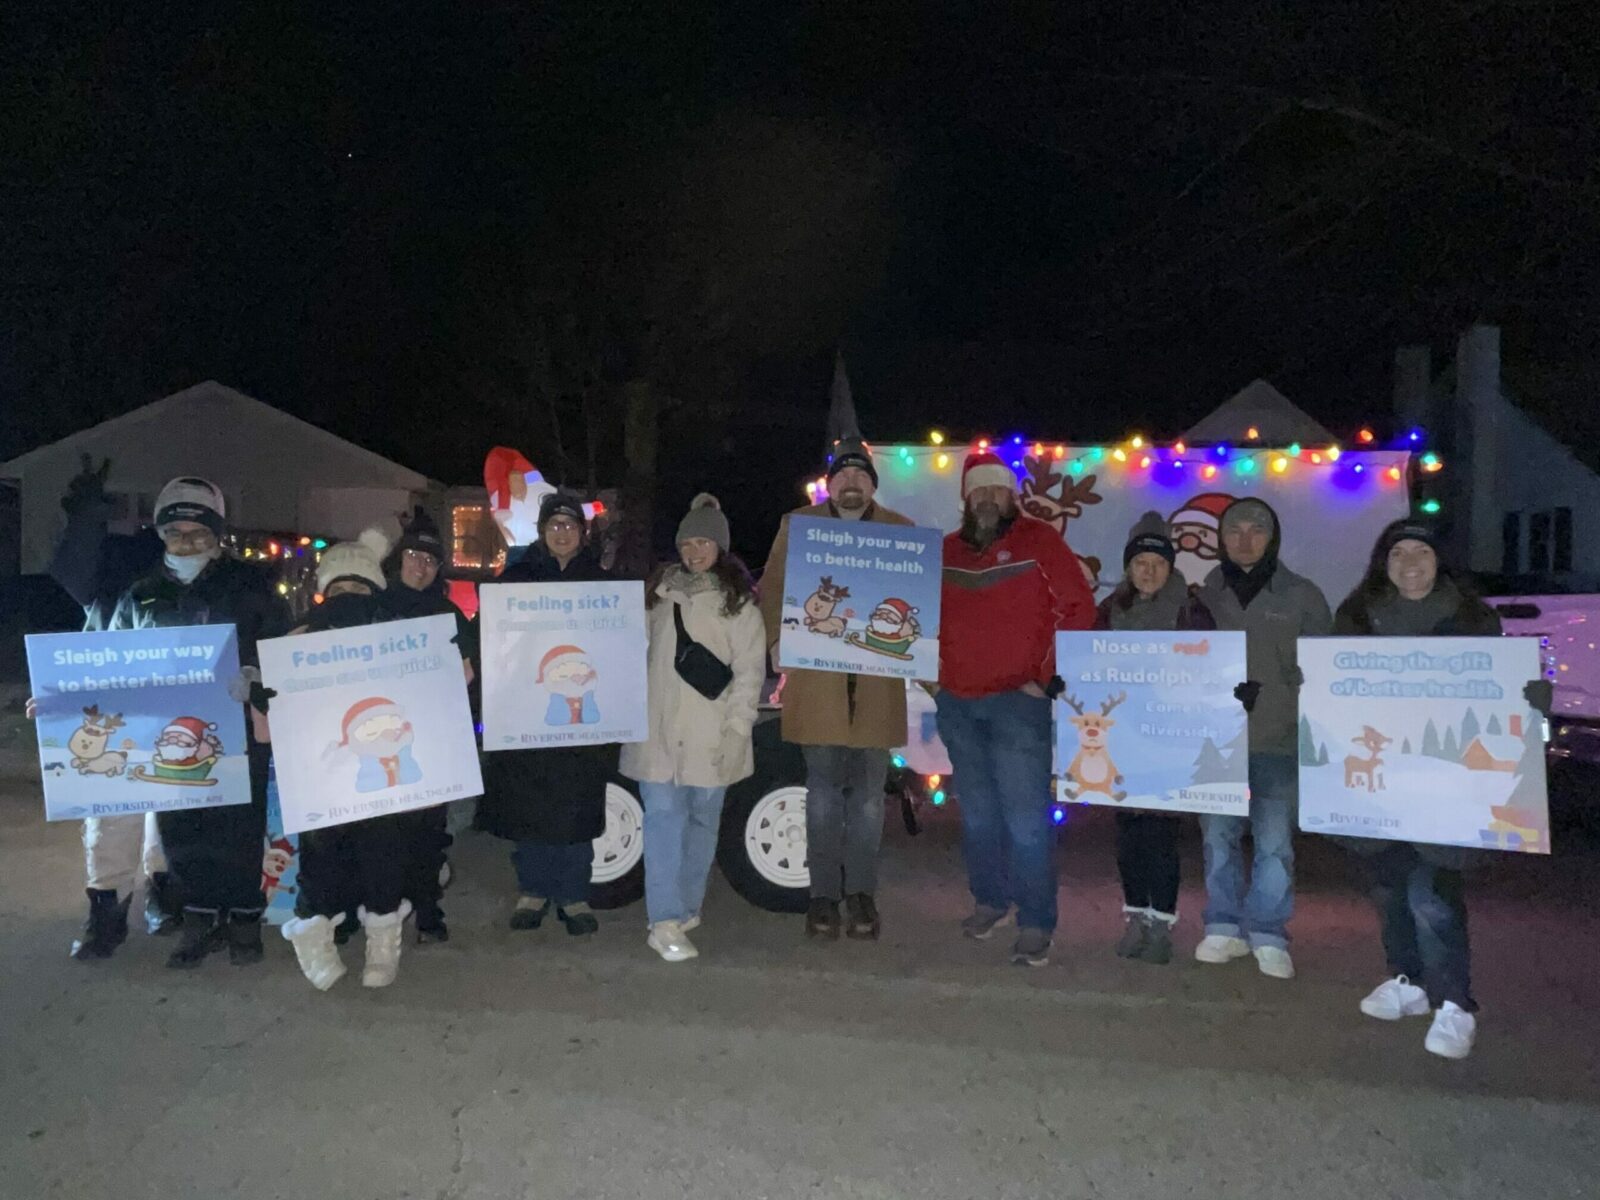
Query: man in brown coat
x,y
846,725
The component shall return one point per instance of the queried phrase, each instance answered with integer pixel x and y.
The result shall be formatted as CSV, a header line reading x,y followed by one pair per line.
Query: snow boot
x,y
383,944
312,939
163,913
244,936
430,923
203,933
105,928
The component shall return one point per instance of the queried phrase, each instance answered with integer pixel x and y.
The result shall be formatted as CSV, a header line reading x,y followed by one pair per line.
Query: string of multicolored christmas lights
x,y
1175,463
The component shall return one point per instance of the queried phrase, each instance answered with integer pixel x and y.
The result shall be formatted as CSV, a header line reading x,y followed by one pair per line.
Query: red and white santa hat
x,y
1205,509
559,656
192,729
363,711
899,608
282,845
984,468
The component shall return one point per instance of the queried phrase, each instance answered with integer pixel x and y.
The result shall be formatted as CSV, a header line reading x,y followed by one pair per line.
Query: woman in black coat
x,y
1418,888
551,802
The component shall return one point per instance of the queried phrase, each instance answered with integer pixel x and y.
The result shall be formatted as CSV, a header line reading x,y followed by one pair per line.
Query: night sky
x,y
433,228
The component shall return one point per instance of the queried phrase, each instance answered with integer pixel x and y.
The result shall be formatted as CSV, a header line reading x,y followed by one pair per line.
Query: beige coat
x,y
695,741
816,704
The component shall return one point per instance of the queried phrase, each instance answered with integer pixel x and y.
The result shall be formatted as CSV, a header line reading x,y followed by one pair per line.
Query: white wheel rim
x,y
620,845
775,838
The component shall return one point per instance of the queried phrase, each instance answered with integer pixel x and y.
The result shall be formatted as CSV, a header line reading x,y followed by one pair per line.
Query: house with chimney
x,y
1517,504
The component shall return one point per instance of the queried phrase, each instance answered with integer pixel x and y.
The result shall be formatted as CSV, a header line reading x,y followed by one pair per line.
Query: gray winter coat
x,y
1289,607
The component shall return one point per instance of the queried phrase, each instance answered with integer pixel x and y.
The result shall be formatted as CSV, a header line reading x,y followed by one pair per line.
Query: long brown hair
x,y
733,580
1376,587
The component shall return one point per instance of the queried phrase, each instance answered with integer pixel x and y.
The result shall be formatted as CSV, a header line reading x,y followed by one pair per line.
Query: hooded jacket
x,y
1287,608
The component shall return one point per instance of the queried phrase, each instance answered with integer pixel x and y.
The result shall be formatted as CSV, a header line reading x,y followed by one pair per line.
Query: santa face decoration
x,y
378,734
187,740
1195,527
891,629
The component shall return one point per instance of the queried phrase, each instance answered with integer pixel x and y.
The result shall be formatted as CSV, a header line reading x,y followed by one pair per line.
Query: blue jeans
x,y
554,872
1424,924
680,842
1000,752
1262,914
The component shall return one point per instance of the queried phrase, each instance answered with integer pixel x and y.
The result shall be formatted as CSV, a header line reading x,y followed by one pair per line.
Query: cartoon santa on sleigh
x,y
891,629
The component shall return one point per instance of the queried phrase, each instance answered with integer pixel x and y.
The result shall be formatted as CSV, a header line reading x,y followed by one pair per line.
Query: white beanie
x,y
190,498
361,559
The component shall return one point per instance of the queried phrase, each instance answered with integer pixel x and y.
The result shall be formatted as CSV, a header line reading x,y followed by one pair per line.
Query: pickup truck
x,y
1568,629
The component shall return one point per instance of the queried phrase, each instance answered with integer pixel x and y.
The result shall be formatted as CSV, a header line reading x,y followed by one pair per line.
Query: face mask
x,y
187,567
349,609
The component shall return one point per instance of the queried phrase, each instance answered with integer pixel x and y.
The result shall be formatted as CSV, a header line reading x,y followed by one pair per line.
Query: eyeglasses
x,y
188,537
562,525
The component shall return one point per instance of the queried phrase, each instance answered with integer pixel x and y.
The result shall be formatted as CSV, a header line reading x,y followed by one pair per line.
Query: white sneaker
x,y
1396,998
1452,1032
690,924
668,939
1274,961
1220,948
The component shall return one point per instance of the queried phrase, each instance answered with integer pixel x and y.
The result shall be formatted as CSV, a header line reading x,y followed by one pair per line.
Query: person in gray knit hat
x,y
1251,590
702,704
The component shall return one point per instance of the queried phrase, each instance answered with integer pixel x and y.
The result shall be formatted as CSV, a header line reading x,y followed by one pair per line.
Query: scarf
x,y
1247,583
1153,612
691,583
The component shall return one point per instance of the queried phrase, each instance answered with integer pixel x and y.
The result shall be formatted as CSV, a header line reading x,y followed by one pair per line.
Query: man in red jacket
x,y
1010,582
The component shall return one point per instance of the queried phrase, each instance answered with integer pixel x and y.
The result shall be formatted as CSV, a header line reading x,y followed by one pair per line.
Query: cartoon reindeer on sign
x,y
1091,769
819,608
88,744
1355,767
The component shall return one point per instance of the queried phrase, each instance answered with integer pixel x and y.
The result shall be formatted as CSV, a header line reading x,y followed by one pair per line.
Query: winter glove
x,y
239,686
1055,687
1247,693
1296,678
1540,694
260,696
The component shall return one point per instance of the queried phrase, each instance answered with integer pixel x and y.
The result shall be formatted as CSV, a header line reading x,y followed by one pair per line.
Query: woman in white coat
x,y
699,731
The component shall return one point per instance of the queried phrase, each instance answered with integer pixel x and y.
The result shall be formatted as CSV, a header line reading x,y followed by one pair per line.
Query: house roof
x,y
224,406
1263,407
1498,745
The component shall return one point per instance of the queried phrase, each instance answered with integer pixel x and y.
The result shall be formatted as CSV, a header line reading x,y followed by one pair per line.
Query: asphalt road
x,y
535,1065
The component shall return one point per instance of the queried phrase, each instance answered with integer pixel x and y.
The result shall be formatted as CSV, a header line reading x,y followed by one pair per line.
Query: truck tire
x,y
617,878
761,847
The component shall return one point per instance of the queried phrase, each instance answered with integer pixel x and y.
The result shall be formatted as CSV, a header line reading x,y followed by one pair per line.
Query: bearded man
x,y
1010,582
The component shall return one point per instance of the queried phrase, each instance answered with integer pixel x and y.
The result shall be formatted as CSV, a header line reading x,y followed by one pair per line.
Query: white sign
x,y
369,721
1423,740
563,664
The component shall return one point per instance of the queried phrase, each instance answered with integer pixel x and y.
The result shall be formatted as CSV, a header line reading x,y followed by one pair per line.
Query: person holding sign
x,y
213,854
551,801
1152,595
1010,582
416,589
846,724
363,867
1418,889
1253,591
706,667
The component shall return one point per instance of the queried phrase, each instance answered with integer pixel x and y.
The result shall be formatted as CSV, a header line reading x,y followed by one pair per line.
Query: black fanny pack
x,y
697,666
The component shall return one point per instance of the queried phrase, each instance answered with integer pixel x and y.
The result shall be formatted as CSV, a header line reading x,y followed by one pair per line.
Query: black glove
x,y
1055,687
1247,693
1540,694
260,695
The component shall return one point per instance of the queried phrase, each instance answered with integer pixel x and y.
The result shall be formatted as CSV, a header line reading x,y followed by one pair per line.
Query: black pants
x,y
1424,916
429,842
1147,860
363,864
214,854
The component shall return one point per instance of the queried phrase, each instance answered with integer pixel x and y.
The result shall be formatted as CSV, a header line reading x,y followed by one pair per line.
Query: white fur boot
x,y
383,932
312,939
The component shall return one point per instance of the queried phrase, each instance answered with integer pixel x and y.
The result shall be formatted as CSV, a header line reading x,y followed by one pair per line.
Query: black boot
x,y
106,927
822,918
346,929
203,933
430,923
163,913
244,936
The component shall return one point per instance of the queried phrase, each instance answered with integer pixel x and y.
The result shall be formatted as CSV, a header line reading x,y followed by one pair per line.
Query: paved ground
x,y
529,1065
